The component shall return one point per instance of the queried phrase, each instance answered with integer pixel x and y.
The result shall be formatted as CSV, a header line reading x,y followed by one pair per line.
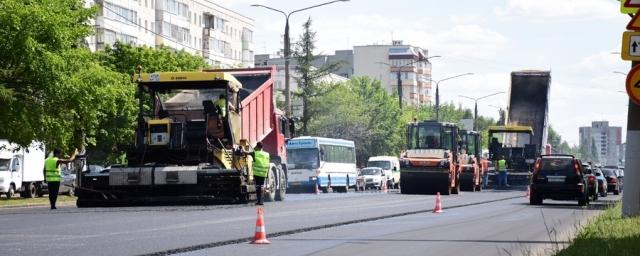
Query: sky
x,y
578,40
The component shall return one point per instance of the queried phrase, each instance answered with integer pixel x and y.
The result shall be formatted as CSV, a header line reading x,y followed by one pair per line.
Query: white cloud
x,y
458,40
541,10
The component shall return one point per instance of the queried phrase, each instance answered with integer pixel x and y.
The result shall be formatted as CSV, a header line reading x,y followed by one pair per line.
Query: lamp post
x,y
287,48
475,112
438,92
500,111
399,74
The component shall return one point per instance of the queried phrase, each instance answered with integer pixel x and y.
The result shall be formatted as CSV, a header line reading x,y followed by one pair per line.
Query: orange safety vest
x,y
485,165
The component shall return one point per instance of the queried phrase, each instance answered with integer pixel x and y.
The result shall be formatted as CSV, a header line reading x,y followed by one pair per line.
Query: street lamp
x,y
500,112
399,74
287,48
438,92
475,114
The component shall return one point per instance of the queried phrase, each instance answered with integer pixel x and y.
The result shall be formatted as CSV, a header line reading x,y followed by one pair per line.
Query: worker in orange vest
x,y
485,172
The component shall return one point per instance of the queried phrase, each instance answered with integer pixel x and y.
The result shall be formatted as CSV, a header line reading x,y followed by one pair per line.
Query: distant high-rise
x,y
603,142
383,62
223,37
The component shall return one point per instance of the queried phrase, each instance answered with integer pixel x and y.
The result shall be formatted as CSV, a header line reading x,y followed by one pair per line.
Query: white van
x,y
391,167
21,170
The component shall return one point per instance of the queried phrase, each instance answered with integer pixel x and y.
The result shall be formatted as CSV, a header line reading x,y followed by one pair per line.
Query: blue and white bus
x,y
323,161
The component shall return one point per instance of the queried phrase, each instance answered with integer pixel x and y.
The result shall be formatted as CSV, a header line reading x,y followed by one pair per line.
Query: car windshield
x,y
587,169
382,164
95,168
303,157
4,164
370,171
556,166
608,172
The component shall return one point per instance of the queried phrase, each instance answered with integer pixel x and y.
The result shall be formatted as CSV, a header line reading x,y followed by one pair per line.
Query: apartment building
x,y
384,62
223,37
607,141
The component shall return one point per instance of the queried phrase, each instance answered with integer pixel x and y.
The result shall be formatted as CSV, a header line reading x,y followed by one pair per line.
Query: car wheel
x,y
616,191
595,196
535,200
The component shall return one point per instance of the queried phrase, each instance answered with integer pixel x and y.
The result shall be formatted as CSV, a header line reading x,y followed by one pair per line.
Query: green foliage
x,y
124,58
309,88
40,56
362,111
608,234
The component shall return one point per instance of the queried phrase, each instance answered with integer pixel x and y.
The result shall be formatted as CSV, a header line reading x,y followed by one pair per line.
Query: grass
x,y
4,202
608,234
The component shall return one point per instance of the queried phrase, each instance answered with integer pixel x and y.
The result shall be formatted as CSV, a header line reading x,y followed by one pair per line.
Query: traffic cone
x,y
261,235
528,192
384,187
438,208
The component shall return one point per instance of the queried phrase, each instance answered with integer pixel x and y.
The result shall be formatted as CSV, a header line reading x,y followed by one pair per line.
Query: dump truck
x,y
524,136
189,148
428,165
469,161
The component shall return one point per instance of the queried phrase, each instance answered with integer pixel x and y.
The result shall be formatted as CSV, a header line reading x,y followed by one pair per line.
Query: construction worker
x,y
501,165
260,169
52,174
221,105
484,164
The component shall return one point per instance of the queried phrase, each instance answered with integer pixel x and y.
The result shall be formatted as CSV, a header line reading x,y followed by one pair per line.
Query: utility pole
x,y
631,195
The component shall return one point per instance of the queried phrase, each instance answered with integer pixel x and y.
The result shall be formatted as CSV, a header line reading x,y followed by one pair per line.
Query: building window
x,y
175,7
119,13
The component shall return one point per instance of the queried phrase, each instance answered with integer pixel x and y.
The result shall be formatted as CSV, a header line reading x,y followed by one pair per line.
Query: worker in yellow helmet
x,y
260,169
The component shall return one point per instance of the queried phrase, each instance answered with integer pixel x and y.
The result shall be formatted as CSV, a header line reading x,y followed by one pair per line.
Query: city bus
x,y
326,162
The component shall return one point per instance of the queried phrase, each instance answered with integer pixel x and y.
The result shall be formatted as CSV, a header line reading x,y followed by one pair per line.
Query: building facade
x,y
223,37
385,62
605,140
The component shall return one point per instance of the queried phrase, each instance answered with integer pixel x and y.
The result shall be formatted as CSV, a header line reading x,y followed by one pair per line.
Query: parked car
x,y
373,177
592,181
602,182
558,177
67,183
613,184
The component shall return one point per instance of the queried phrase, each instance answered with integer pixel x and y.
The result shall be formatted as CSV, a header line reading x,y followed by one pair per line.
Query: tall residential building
x,y
223,37
383,62
605,140
267,60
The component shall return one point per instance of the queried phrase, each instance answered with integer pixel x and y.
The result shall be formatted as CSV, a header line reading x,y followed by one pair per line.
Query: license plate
x,y
556,179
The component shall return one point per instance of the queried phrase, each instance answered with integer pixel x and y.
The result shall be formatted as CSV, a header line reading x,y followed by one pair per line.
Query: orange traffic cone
x,y
528,192
261,235
438,208
384,187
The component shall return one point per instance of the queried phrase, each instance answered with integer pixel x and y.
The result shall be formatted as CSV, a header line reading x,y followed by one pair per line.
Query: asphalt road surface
x,y
486,223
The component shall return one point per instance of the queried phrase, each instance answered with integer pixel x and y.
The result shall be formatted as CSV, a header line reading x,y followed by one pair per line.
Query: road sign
x,y
630,45
631,3
624,9
633,84
634,24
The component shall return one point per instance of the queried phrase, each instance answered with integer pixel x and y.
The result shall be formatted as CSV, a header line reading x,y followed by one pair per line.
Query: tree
x,y
124,58
42,89
309,88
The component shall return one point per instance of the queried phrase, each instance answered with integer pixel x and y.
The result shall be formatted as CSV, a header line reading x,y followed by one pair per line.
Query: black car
x,y
613,181
558,177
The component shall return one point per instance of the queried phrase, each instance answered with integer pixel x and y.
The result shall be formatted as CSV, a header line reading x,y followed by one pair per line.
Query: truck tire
x,y
270,195
282,187
29,190
12,191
